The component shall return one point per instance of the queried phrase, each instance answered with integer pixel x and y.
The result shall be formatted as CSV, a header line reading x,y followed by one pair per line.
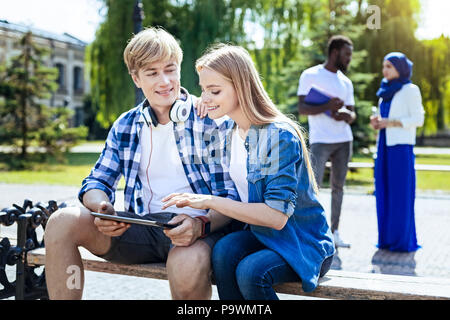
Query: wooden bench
x,y
335,284
418,167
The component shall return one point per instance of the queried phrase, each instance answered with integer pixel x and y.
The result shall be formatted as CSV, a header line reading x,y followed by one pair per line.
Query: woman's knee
x,y
247,273
258,272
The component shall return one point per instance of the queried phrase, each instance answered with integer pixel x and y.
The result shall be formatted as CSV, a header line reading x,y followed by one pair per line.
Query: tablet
x,y
134,220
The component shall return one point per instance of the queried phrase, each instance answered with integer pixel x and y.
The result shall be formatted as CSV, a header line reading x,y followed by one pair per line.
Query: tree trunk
x,y
24,96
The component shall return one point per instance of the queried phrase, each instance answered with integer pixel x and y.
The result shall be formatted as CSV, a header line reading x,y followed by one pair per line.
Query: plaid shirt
x,y
199,143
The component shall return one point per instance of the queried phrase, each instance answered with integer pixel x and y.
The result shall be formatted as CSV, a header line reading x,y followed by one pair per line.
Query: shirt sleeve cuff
x,y
286,207
95,185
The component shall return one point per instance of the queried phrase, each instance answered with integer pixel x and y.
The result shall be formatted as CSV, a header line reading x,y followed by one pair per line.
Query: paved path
x,y
358,226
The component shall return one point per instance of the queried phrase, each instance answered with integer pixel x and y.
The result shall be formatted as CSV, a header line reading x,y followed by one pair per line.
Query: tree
x,y
432,74
25,83
26,80
111,87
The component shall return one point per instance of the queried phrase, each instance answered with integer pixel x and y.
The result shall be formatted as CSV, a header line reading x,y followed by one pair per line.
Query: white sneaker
x,y
338,242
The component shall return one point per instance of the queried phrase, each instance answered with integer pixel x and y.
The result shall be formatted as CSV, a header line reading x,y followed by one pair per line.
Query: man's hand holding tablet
x,y
110,227
127,220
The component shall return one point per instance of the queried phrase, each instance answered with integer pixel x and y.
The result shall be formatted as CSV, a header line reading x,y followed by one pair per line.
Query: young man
x,y
159,147
330,135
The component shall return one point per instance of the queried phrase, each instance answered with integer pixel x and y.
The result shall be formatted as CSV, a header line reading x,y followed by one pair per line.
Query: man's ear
x,y
334,54
135,78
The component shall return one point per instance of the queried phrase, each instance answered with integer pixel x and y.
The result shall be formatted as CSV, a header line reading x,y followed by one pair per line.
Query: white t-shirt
x,y
165,174
323,128
238,165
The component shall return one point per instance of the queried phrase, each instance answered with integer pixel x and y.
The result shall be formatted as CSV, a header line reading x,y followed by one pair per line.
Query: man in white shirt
x,y
330,135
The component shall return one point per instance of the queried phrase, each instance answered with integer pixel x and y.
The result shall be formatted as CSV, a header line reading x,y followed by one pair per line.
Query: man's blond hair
x,y
151,45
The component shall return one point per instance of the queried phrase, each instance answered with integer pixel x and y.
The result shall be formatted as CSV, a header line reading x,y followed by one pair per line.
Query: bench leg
x,y
20,269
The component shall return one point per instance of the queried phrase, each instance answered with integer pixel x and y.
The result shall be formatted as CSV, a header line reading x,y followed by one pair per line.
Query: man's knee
x,y
189,265
189,271
66,224
189,259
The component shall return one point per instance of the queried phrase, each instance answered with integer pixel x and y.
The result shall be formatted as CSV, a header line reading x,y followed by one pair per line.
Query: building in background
x,y
66,54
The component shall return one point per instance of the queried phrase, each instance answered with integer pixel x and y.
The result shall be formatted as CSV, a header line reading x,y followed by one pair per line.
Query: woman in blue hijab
x,y
400,113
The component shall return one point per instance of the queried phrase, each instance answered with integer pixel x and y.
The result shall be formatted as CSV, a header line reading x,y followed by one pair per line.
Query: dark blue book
x,y
316,97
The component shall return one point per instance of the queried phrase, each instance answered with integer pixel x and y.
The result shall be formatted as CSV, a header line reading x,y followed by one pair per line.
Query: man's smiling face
x,y
160,83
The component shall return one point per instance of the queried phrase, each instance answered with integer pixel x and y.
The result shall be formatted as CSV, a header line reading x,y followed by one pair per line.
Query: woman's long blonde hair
x,y
235,64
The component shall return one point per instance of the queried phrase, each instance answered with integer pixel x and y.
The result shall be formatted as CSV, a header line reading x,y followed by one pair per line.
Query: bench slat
x,y
94,263
418,167
336,284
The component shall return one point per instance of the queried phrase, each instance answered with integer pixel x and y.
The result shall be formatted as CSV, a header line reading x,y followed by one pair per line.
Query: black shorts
x,y
147,244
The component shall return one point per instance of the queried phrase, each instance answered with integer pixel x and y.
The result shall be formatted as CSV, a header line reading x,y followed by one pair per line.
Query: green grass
x,y
71,173
93,142
78,166
425,180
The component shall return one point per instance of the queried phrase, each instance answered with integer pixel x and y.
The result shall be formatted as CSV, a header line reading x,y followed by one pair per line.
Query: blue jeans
x,y
245,269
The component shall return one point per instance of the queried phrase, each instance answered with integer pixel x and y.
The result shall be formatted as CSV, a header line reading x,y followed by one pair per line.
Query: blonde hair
x,y
151,45
235,64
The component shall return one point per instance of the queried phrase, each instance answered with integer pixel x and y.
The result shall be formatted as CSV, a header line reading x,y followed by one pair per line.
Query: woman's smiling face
x,y
389,71
218,94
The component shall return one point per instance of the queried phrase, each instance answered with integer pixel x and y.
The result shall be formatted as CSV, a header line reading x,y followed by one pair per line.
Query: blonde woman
x,y
287,237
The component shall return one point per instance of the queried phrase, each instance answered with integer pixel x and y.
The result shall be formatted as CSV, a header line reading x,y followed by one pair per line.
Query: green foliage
x,y
25,121
55,135
90,111
112,89
433,77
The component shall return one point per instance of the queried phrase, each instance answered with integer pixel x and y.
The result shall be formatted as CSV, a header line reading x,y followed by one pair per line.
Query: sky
x,y
81,18
433,19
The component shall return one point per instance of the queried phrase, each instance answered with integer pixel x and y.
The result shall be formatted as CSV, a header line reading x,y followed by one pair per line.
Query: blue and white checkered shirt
x,y
200,146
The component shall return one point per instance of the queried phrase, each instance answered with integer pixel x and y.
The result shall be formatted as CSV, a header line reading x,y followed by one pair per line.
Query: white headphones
x,y
179,111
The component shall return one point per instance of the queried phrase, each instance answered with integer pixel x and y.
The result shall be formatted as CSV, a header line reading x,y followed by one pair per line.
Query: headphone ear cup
x,y
179,112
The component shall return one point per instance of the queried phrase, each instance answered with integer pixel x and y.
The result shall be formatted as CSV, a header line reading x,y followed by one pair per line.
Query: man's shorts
x,y
147,244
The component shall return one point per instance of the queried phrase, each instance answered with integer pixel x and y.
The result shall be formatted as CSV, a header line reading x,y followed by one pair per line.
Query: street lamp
x,y
138,17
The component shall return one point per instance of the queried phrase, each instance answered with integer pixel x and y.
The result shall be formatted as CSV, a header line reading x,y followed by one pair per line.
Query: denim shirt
x,y
277,176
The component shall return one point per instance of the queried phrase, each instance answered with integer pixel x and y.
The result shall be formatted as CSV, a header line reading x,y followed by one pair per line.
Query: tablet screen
x,y
134,220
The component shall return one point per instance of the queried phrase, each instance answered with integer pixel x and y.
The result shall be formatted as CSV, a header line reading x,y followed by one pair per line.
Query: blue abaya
x,y
395,185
